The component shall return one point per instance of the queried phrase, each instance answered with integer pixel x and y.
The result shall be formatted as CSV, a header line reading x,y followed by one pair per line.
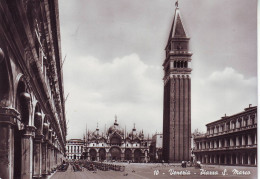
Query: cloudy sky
x,y
115,49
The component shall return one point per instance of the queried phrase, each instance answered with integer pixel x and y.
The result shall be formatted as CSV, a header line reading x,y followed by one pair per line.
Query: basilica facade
x,y
116,144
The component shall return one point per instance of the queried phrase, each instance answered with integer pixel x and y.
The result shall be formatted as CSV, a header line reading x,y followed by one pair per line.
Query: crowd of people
x,y
63,167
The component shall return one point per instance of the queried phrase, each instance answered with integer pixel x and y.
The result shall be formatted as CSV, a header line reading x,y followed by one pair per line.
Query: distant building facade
x,y
32,110
156,148
117,145
74,149
177,94
231,140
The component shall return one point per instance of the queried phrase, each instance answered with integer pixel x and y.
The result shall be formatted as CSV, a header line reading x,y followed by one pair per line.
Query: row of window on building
x,y
127,145
233,124
241,140
74,149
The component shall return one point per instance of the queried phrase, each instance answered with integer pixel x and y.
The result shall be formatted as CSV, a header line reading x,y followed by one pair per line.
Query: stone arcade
x,y
232,140
32,116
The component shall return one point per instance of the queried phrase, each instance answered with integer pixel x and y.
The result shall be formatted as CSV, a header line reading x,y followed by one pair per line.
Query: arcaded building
x,y
177,94
232,140
115,144
32,112
74,149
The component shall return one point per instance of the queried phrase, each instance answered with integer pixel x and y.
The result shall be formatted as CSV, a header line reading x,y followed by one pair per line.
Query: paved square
x,y
160,171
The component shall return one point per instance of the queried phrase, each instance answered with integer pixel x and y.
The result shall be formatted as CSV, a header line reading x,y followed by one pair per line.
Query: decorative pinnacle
x,y
134,128
115,123
177,4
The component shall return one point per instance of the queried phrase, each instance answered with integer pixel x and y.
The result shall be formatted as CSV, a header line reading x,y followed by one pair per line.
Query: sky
x,y
114,51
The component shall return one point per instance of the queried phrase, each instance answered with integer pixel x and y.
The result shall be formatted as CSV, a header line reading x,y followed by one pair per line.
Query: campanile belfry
x,y
177,94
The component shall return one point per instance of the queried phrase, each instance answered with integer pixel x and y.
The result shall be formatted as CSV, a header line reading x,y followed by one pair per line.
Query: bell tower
x,y
177,94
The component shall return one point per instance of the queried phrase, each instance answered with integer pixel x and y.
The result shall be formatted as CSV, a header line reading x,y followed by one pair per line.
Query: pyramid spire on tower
x,y
177,49
177,28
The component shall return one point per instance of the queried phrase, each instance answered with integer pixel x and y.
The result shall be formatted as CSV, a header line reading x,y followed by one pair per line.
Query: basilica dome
x,y
133,133
141,134
115,128
95,134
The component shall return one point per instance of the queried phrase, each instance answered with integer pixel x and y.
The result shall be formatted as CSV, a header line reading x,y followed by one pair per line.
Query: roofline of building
x,y
234,115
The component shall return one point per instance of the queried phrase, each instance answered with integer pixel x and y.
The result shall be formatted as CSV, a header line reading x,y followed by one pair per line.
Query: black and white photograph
x,y
140,89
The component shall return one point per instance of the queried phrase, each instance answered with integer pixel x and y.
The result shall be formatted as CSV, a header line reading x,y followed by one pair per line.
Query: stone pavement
x,y
160,171
70,174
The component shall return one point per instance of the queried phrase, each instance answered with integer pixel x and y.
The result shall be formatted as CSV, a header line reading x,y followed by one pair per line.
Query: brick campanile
x,y
177,94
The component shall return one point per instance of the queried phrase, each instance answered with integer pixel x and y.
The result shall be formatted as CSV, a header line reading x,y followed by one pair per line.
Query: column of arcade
x,y
246,155
27,151
233,158
235,141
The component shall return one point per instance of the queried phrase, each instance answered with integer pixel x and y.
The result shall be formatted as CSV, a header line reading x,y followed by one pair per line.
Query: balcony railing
x,y
232,130
227,148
